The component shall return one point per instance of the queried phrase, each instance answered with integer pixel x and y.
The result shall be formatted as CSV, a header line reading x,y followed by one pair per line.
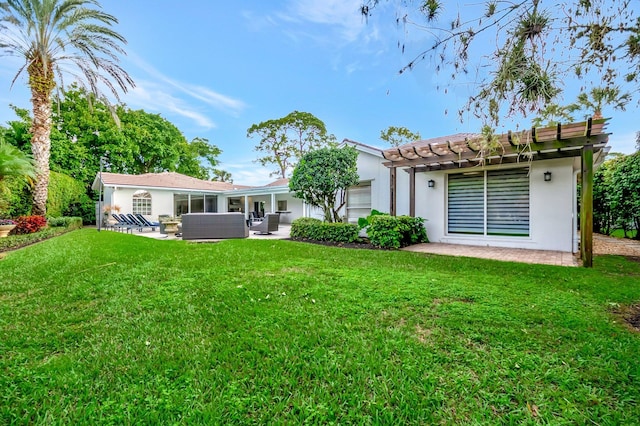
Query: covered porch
x,y
501,186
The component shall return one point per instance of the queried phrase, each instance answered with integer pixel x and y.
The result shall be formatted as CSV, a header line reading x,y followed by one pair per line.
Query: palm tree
x,y
56,37
599,97
220,175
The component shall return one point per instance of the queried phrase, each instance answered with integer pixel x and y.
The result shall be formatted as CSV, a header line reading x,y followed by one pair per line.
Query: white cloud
x,y
203,94
342,14
150,97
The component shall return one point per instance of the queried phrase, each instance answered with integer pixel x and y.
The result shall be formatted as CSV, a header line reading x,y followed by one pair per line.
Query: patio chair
x,y
120,224
268,225
138,224
146,222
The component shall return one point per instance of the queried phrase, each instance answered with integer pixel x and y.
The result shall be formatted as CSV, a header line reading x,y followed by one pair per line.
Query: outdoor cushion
x,y
202,226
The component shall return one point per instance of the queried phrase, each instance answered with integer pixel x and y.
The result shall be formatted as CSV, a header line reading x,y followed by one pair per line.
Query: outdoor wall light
x,y
547,176
431,183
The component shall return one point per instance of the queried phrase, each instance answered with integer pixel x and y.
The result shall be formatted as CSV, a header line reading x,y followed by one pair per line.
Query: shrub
x,y
314,229
15,197
393,232
65,222
29,224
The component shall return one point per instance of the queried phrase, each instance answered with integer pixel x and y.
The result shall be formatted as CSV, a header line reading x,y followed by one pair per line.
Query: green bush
x,y
15,198
64,192
313,229
393,232
65,222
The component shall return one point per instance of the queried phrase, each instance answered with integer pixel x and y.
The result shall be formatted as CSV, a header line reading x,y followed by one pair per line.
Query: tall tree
x,y
397,136
597,98
537,45
220,175
322,177
199,159
48,35
283,141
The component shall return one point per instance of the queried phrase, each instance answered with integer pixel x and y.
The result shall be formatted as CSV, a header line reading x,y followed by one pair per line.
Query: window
x,y
195,203
358,201
141,202
282,205
489,203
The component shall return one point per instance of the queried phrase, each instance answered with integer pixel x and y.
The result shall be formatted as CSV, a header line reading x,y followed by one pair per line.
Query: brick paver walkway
x,y
496,253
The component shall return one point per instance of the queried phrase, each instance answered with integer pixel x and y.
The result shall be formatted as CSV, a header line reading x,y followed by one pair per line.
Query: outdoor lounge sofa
x,y
268,225
202,226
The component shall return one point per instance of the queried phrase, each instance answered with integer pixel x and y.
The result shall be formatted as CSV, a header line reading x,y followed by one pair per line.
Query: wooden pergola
x,y
463,150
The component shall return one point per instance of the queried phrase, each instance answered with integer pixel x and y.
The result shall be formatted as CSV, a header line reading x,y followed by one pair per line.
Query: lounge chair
x,y
268,225
120,224
138,224
146,222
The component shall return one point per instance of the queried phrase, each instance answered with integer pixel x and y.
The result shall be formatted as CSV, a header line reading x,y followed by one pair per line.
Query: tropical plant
x,y
15,163
220,175
597,98
518,55
50,35
322,177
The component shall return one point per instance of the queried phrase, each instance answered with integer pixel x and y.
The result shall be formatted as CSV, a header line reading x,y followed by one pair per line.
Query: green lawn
x,y
619,233
114,328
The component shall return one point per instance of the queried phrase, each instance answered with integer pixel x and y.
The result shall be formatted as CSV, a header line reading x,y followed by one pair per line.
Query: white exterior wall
x,y
552,209
370,168
161,201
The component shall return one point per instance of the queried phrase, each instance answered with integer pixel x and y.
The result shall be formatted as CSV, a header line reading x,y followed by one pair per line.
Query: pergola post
x,y
586,207
392,191
412,192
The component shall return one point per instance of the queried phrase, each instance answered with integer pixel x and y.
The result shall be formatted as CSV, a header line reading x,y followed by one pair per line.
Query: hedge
x,y
306,228
393,232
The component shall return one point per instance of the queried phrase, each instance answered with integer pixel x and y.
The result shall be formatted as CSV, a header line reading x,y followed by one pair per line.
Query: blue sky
x,y
215,68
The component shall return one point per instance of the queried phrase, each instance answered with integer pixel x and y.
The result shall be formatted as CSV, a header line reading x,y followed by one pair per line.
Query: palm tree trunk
x,y
41,83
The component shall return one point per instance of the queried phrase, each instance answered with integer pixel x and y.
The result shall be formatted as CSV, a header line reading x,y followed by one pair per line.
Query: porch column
x,y
246,207
273,203
392,191
586,207
412,192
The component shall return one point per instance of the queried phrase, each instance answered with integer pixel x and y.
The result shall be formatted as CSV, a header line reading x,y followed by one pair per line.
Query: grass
x,y
114,328
619,233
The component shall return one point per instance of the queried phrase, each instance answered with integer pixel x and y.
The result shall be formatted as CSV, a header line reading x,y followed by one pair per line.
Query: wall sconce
x,y
547,176
431,183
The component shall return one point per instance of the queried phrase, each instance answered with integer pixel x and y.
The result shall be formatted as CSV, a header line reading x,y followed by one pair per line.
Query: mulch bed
x,y
357,245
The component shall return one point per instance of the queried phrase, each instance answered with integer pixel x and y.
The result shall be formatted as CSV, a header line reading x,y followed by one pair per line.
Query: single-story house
x,y
172,194
521,192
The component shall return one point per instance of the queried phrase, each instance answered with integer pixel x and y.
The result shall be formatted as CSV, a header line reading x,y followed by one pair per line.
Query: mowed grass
x,y
119,329
619,233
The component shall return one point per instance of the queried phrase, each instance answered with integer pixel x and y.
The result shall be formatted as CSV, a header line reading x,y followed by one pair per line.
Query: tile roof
x,y
279,182
167,180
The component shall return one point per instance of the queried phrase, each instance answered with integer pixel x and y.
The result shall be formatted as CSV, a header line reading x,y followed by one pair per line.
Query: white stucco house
x,y
521,194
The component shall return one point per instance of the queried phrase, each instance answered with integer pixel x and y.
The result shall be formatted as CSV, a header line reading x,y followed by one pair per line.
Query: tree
x,y
199,159
538,45
220,175
625,196
397,136
597,98
49,35
285,140
322,177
